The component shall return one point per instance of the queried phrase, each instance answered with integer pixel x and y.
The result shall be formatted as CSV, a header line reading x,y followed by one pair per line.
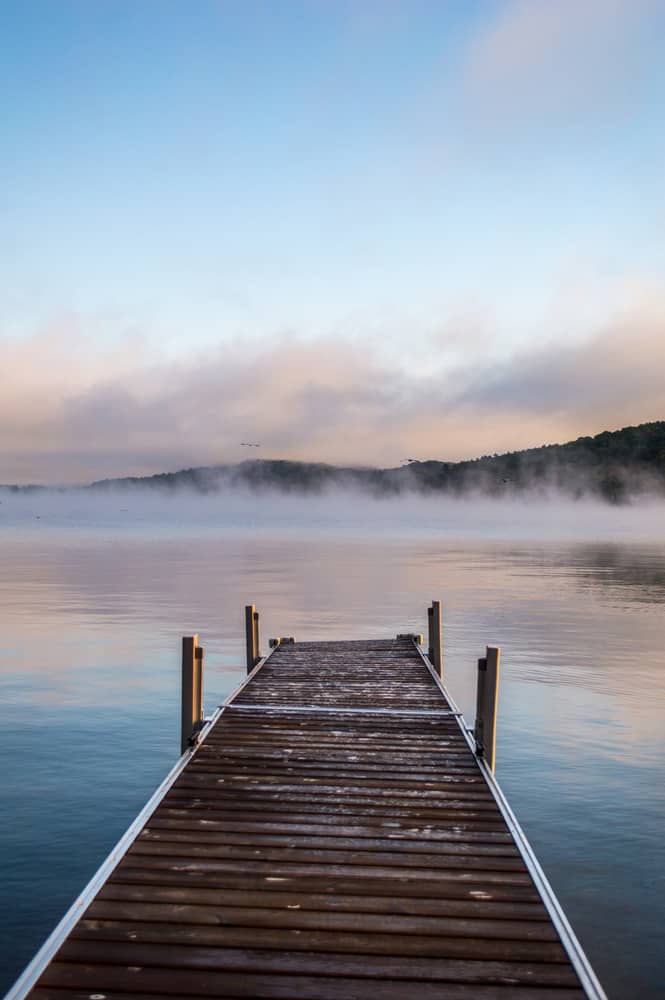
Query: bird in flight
x,y
250,444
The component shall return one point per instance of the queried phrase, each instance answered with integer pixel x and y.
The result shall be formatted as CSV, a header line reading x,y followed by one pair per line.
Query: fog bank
x,y
336,513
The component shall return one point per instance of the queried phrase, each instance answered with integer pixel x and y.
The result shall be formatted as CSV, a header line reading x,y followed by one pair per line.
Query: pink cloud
x,y
543,58
73,413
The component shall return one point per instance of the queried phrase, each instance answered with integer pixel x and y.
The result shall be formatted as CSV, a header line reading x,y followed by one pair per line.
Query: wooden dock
x,y
332,835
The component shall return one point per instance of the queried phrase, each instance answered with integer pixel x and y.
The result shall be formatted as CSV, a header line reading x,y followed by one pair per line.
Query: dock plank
x,y
68,982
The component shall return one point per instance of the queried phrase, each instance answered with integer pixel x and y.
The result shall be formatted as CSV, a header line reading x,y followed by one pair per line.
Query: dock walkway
x,y
332,836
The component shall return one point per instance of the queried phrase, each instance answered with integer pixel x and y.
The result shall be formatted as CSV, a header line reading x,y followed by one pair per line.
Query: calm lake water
x,y
96,593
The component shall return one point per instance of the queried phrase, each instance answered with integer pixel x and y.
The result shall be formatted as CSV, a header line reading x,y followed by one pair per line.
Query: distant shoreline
x,y
614,466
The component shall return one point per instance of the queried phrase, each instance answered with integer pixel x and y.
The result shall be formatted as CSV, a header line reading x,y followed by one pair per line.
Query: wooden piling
x,y
435,637
192,690
257,641
252,638
198,686
487,700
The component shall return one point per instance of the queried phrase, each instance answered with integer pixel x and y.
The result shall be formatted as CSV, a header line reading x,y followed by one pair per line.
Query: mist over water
x,y
337,511
97,589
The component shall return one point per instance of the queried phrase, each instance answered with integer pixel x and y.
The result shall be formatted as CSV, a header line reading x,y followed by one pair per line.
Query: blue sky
x,y
352,224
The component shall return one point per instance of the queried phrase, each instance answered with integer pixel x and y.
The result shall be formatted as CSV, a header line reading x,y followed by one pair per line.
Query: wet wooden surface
x,y
332,837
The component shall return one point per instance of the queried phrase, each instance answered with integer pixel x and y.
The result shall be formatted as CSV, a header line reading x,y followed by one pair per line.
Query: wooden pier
x,y
331,834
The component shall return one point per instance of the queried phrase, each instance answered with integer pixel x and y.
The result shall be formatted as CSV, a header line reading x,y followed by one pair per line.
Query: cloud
x,y
544,59
610,379
71,413
470,327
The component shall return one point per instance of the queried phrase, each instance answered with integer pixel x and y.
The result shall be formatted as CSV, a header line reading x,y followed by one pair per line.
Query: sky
x,y
349,231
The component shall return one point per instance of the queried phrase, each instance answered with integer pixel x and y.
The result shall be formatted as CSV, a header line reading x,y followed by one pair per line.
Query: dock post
x,y
252,637
192,690
435,640
487,700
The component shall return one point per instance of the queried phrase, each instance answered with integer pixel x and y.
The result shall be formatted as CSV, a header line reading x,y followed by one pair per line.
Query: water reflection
x,y
91,622
634,573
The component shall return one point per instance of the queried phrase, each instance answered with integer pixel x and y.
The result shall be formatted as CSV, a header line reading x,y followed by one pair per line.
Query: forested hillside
x,y
614,465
